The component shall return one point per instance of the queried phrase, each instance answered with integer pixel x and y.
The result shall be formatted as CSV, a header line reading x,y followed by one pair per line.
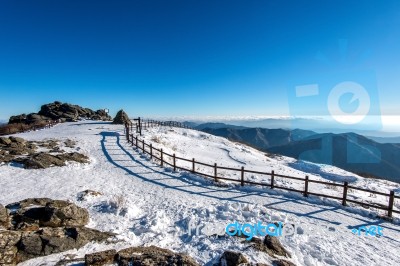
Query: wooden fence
x,y
161,156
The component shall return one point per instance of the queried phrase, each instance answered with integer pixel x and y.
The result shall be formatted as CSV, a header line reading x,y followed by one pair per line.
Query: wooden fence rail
x,y
171,160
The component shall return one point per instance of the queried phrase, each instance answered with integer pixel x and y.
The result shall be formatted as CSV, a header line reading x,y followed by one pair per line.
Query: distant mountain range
x,y
349,151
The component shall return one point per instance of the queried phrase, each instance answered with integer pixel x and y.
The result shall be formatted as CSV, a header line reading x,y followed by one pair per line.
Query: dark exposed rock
x,y
100,258
5,141
272,243
61,112
282,263
121,118
70,112
45,160
44,226
47,212
17,119
231,258
4,218
63,213
148,256
8,249
88,193
54,240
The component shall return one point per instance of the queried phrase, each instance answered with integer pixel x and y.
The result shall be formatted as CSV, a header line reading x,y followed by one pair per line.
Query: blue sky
x,y
194,58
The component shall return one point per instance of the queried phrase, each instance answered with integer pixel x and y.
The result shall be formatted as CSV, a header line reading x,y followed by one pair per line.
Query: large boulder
x,y
49,213
121,118
43,226
152,255
55,240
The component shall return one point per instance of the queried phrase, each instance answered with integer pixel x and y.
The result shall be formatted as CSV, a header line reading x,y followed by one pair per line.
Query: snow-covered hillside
x,y
147,204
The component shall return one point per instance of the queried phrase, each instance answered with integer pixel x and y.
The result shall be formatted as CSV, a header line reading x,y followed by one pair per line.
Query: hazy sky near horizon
x,y
198,58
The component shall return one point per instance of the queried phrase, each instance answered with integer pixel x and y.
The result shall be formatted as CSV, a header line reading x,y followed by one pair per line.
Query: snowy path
x,y
159,203
176,189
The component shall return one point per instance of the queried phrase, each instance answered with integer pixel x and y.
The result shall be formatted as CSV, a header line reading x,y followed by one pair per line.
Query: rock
x,y
45,160
70,112
101,115
74,156
231,258
47,212
8,249
282,263
17,119
17,140
55,240
5,141
69,143
88,193
36,119
26,203
148,256
121,118
4,218
63,213
100,258
40,161
272,243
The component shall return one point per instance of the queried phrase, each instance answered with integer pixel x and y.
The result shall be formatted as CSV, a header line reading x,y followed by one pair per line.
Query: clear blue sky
x,y
191,57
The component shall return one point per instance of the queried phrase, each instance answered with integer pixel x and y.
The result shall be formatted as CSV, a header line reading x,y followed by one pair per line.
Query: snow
x,y
149,205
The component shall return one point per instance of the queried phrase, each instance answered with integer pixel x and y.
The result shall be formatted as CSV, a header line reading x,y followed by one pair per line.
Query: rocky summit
x,y
121,118
63,112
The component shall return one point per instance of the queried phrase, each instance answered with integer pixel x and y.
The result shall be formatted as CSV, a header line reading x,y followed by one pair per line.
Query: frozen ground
x,y
147,204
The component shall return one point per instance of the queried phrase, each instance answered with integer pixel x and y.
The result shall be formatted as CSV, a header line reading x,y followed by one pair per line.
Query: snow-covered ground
x,y
147,204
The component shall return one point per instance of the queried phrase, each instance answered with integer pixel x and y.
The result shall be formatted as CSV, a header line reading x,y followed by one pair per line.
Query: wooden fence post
x,y
272,179
162,158
136,144
174,159
345,187
193,169
391,202
132,139
151,150
215,172
306,186
242,177
143,146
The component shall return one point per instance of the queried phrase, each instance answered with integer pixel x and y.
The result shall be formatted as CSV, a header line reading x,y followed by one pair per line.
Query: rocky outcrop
x,y
8,247
100,258
231,258
282,263
43,226
121,118
152,255
49,240
63,112
4,218
18,150
44,212
45,160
